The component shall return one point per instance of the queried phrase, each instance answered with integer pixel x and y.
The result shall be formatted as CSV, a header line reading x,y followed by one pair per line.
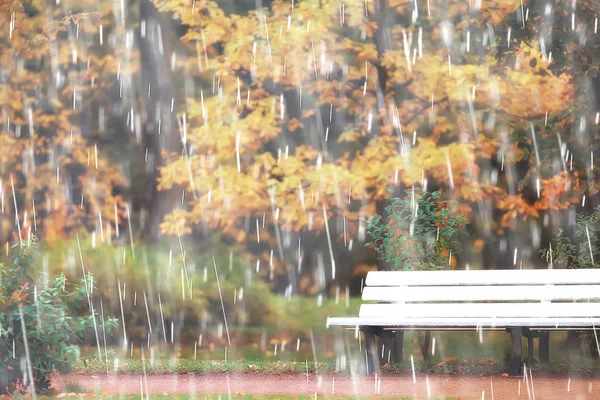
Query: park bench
x,y
527,303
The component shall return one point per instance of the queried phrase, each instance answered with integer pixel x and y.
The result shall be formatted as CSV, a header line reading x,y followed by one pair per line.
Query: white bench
x,y
523,302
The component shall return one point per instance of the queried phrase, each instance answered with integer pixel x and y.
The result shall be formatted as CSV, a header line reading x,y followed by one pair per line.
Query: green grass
x,y
479,366
248,345
134,366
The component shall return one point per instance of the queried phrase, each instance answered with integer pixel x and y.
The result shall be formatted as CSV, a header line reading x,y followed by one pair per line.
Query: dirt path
x,y
436,386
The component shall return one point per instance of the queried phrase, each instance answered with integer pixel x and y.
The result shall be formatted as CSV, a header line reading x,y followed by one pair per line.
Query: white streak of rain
x,y
221,298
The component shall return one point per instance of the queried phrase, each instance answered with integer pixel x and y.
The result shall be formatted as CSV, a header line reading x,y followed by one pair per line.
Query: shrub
x,y
40,320
580,251
419,232
158,270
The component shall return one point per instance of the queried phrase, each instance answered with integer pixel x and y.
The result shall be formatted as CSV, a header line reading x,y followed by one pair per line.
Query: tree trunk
x,y
160,132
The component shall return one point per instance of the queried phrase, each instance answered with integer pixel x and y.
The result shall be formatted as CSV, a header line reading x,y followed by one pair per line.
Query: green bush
x,y
419,232
42,320
189,293
580,251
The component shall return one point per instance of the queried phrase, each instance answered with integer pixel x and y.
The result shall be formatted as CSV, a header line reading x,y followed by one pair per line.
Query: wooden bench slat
x,y
484,277
475,310
466,324
481,293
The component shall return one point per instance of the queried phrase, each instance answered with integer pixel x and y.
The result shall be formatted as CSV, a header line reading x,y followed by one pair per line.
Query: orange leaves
x,y
447,164
400,6
367,52
496,10
294,124
350,135
361,270
515,206
529,79
493,11
532,81
559,192
176,223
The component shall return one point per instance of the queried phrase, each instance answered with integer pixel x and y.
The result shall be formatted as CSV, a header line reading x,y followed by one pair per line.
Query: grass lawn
x,y
136,366
328,344
478,366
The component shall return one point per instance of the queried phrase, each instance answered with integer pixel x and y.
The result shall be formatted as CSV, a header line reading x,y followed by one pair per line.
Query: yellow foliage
x,y
62,179
263,144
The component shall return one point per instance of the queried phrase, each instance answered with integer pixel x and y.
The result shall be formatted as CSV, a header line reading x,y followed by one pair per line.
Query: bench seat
x,y
454,324
523,302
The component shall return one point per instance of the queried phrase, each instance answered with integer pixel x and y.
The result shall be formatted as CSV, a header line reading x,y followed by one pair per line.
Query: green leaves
x,y
51,318
581,251
418,232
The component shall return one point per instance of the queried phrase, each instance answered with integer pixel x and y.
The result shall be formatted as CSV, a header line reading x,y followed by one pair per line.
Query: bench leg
x,y
528,333
425,345
398,341
545,346
517,350
370,348
385,348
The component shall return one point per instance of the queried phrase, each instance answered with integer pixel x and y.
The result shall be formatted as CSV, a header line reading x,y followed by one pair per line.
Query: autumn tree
x,y
55,176
554,153
307,111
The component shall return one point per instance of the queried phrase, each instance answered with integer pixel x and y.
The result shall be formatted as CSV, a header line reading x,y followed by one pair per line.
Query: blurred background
x,y
162,144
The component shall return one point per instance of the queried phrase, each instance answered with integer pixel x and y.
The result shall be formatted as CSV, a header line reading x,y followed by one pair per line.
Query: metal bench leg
x,y
529,334
545,346
517,350
370,348
398,354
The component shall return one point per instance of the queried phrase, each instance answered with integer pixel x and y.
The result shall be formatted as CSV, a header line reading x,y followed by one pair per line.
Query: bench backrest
x,y
514,290
484,277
